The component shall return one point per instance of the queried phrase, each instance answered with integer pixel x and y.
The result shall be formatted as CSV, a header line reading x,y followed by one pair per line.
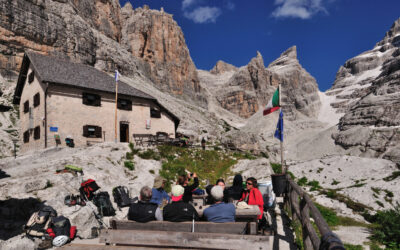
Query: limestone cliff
x,y
372,104
250,87
98,33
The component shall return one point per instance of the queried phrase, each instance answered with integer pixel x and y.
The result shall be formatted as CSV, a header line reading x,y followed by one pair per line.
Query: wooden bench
x,y
187,226
183,239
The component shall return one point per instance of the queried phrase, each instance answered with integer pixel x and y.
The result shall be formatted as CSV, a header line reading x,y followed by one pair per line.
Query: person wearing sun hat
x,y
177,210
220,211
159,194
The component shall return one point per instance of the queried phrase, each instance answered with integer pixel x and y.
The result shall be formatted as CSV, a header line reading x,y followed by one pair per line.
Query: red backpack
x,y
88,188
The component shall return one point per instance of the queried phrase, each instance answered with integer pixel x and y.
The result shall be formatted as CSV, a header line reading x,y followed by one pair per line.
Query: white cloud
x,y
187,3
303,9
203,14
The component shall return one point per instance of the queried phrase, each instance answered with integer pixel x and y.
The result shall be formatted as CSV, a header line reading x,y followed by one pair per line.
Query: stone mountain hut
x,y
59,99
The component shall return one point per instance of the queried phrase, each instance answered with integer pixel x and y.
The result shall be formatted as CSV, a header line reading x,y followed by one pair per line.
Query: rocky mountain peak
x,y
222,67
290,52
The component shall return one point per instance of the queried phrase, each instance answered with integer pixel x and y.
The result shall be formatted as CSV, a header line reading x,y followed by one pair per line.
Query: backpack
x,y
88,188
39,221
61,226
121,196
103,204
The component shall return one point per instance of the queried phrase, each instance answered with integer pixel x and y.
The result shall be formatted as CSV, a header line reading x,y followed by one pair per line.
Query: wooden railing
x,y
301,207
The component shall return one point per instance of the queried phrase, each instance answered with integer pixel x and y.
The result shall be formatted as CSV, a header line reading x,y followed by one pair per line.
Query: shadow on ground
x,y
3,174
14,213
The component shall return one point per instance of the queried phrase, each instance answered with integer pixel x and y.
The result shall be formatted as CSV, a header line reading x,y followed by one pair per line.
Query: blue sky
x,y
326,32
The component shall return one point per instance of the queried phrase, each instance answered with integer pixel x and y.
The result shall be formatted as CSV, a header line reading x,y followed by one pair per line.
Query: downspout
x,y
45,115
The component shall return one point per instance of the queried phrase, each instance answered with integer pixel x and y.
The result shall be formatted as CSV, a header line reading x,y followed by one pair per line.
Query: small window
x,y
36,100
31,77
155,113
26,107
26,136
92,131
36,133
124,104
91,99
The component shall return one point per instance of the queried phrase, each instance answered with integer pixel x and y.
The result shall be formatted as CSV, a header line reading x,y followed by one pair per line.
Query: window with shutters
x,y
26,136
92,131
26,107
36,100
91,99
124,104
155,113
36,133
31,77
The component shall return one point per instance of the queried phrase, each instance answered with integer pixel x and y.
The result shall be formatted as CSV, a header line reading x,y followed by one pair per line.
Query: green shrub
x,y
335,182
303,181
314,185
151,171
265,155
48,184
291,175
277,167
149,154
386,228
379,203
129,155
319,170
376,190
129,165
133,150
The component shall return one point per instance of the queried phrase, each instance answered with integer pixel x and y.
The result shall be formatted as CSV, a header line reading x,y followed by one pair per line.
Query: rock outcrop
x,y
99,33
251,86
222,67
299,88
372,115
156,38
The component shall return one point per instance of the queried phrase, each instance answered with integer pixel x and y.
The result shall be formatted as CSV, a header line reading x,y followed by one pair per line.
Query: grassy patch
x,y
386,227
314,185
302,181
299,234
319,170
376,190
334,220
393,176
129,165
379,203
335,182
151,171
350,203
353,247
208,164
150,154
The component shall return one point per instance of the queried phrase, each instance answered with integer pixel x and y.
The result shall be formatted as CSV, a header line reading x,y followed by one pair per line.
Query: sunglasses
x,y
249,183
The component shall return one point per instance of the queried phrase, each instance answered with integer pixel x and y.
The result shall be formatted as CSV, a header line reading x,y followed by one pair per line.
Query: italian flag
x,y
273,104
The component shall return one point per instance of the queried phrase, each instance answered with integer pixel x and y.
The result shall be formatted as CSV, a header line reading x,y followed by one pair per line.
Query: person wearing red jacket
x,y
253,196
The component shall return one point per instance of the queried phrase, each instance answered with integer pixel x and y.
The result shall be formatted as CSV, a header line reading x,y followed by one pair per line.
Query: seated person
x,y
159,195
220,211
235,192
183,180
144,211
178,210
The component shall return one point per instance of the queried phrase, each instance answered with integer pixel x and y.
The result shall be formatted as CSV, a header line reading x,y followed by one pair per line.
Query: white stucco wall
x,y
29,90
66,111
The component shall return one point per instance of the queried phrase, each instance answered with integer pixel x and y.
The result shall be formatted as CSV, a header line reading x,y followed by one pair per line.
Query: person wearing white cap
x,y
177,210
220,211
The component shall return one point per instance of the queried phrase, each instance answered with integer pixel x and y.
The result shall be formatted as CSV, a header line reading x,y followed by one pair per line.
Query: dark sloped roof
x,y
58,71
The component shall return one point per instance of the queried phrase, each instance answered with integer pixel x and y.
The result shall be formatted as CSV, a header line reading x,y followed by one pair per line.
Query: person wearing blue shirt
x,y
220,211
160,197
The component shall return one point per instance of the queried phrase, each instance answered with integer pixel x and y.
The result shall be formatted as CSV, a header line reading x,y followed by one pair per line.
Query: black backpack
x,y
103,204
121,196
61,226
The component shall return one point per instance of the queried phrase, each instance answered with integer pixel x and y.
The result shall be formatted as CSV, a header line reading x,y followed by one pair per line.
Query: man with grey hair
x,y
144,211
220,211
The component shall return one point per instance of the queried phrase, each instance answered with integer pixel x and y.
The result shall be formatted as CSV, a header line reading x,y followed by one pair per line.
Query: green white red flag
x,y
273,104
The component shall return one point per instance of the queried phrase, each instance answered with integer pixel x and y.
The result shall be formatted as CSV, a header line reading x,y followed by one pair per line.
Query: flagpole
x,y
282,166
116,105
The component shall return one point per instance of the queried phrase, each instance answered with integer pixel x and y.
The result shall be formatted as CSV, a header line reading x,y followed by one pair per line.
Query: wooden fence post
x,y
306,224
